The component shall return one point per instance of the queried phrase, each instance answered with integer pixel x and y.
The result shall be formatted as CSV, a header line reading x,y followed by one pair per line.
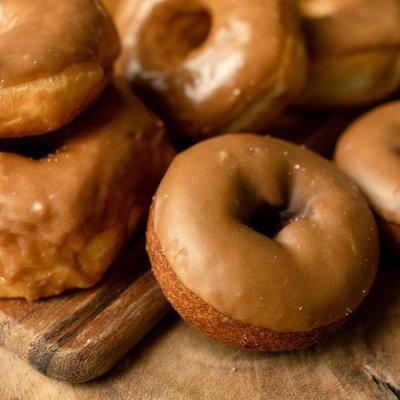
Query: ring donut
x,y
368,152
211,66
54,61
354,51
64,216
261,244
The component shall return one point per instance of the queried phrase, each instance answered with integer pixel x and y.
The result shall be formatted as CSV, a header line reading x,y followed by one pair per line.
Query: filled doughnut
x,y
212,66
260,243
368,152
55,59
354,50
71,199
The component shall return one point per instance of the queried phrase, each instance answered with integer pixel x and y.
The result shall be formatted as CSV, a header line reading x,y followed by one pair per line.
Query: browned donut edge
x,y
215,325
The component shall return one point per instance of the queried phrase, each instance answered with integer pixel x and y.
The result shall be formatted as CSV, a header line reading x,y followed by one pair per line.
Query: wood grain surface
x,y
80,335
173,362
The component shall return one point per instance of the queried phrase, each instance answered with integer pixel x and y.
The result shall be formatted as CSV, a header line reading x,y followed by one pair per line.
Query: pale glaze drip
x,y
369,152
320,260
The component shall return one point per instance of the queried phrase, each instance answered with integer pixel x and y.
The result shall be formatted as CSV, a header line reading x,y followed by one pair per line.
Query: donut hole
x,y
173,31
35,147
270,220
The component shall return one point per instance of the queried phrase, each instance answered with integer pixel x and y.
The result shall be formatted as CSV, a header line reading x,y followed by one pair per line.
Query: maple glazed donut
x,y
212,66
354,48
54,61
64,216
261,244
368,152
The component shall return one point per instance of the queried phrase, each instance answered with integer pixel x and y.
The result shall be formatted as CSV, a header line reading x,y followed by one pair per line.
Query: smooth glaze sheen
x,y
211,66
316,270
55,58
368,152
65,217
354,48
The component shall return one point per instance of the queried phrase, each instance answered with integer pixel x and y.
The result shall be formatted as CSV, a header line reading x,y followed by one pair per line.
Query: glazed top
x,y
368,152
343,27
40,38
318,262
206,61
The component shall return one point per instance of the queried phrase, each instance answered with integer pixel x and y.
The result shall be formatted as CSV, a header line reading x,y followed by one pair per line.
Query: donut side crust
x,y
210,322
47,104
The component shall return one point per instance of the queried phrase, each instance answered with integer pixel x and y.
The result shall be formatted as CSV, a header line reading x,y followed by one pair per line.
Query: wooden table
x,y
362,361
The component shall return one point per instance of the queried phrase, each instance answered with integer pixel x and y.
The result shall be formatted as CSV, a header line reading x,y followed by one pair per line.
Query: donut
x,y
368,152
261,244
354,50
212,66
69,200
54,61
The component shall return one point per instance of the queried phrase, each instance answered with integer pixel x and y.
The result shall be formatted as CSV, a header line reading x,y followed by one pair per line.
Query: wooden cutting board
x,y
80,335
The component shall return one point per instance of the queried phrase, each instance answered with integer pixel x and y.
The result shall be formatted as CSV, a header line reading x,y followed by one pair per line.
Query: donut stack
x,y
255,241
72,145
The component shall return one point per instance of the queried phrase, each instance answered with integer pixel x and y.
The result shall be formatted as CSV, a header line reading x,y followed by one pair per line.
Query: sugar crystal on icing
x,y
37,206
222,155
